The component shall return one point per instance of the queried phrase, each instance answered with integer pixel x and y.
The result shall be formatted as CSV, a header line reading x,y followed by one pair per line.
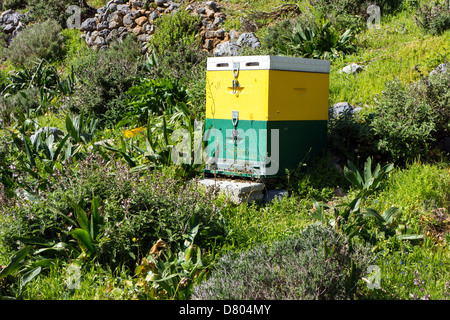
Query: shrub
x,y
411,118
136,211
433,18
41,10
103,79
13,4
301,267
350,136
317,40
40,41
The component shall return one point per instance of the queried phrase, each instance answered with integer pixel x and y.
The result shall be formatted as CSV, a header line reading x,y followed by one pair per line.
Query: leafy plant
x,y
167,275
40,41
433,18
320,41
316,264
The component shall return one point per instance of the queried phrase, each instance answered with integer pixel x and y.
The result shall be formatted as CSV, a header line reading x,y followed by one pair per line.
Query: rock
x,y
99,41
104,33
89,24
236,191
137,30
141,20
249,39
124,8
174,6
442,68
150,28
227,48
113,34
128,21
210,34
160,3
154,15
102,26
271,195
209,44
212,5
218,20
219,33
352,68
9,28
234,35
342,108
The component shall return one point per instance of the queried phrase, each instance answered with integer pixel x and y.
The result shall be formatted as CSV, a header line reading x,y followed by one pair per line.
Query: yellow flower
x,y
134,239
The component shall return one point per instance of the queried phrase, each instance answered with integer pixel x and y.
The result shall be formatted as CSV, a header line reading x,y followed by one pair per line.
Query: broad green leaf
x,y
16,261
85,239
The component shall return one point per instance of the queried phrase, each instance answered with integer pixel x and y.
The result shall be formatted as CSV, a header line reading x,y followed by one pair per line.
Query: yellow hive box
x,y
270,88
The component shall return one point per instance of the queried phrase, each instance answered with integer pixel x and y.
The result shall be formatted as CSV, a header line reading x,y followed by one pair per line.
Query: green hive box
x,y
264,114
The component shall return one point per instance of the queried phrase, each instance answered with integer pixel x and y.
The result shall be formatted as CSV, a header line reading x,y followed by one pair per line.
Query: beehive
x,y
264,114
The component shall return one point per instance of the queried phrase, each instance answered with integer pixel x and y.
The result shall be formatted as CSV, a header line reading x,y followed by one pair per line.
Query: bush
x,y
103,80
40,41
410,119
313,40
295,268
13,4
41,10
433,18
351,137
136,211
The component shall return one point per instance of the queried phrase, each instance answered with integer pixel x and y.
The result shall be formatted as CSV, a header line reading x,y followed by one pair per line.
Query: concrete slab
x,y
236,191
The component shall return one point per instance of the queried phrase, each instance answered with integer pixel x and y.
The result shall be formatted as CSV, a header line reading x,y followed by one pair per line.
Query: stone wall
x,y
118,18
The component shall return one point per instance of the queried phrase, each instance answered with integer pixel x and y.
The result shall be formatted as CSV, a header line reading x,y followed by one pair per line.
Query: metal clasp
x,y
236,67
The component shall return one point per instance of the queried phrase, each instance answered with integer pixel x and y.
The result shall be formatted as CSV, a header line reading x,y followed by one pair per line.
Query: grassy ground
x,y
421,191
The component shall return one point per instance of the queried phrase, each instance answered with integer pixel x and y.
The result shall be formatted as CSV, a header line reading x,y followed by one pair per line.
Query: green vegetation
x,y
93,205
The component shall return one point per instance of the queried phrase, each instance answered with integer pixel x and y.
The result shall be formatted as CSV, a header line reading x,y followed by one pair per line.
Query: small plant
x,y
42,40
319,41
316,264
433,18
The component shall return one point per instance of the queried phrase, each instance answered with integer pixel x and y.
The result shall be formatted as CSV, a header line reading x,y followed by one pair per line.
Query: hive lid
x,y
268,63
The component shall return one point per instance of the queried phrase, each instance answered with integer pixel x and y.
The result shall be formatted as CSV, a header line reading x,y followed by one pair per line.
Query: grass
x,y
409,270
387,53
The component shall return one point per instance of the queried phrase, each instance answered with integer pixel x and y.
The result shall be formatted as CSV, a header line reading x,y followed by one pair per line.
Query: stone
x,y
233,34
219,33
352,68
9,28
154,15
104,33
89,24
128,21
137,30
102,25
212,5
218,20
99,41
201,10
248,39
141,20
136,4
143,37
174,6
227,48
113,34
442,68
124,8
160,3
271,195
150,28
114,24
209,44
210,34
236,191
